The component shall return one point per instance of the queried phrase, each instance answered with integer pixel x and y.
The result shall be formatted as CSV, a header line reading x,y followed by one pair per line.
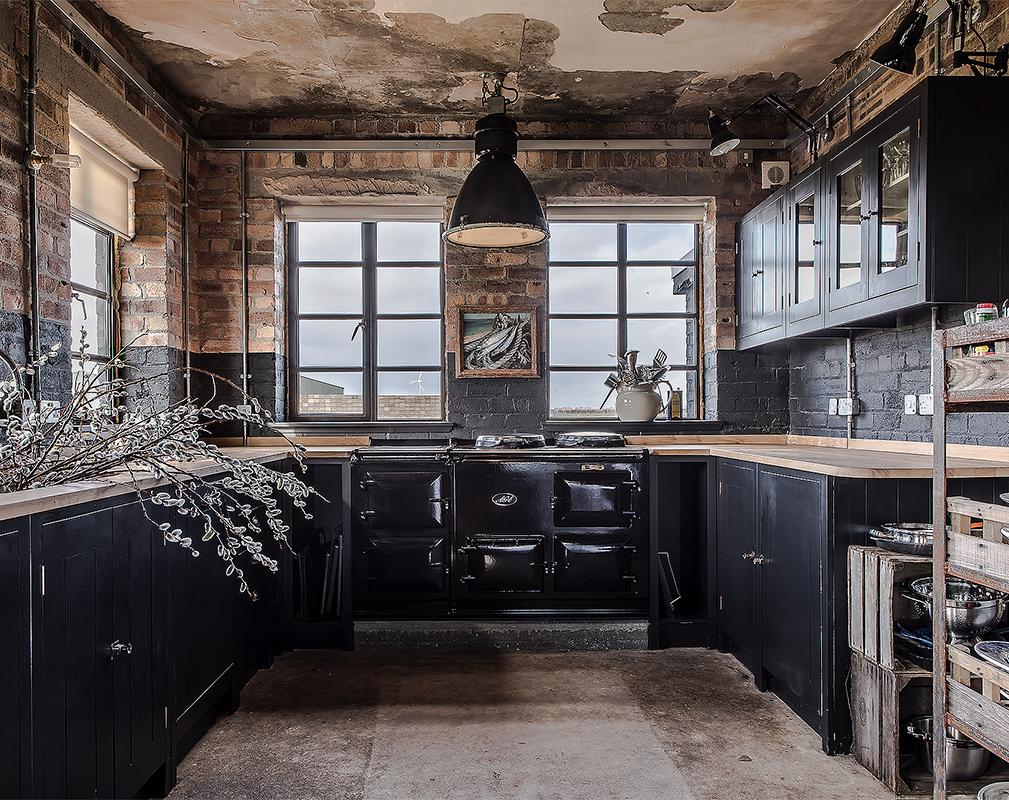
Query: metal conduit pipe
x,y
33,350
242,189
186,343
850,384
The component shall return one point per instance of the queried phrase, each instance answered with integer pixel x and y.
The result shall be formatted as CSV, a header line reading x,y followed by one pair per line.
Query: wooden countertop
x,y
839,461
867,460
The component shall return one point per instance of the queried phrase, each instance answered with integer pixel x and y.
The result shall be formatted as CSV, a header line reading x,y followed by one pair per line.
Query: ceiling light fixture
x,y
723,140
899,52
496,206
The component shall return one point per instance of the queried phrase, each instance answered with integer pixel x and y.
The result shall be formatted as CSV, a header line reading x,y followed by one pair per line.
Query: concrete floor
x,y
682,724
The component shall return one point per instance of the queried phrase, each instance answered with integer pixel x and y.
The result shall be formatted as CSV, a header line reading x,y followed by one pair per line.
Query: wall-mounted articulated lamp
x,y
36,160
899,52
496,206
724,140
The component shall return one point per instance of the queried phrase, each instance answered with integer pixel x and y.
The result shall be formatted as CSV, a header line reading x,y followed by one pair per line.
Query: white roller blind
x,y
102,189
433,210
624,210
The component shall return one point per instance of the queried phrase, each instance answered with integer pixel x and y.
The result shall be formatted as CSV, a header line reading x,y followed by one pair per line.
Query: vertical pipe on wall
x,y
186,342
850,383
245,291
34,350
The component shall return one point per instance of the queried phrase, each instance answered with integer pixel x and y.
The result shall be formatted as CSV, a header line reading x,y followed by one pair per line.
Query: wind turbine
x,y
419,380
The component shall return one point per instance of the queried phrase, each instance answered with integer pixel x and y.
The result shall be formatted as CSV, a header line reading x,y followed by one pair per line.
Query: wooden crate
x,y
883,701
875,602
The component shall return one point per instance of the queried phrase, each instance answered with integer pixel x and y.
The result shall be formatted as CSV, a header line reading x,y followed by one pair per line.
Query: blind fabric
x,y
102,188
363,212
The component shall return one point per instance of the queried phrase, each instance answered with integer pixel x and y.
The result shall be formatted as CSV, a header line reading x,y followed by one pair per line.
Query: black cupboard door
x,y
139,628
396,497
592,564
403,566
736,533
791,525
13,553
74,732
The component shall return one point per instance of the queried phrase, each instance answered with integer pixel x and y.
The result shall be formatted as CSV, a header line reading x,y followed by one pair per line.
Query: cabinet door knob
x,y
817,242
760,560
118,648
748,556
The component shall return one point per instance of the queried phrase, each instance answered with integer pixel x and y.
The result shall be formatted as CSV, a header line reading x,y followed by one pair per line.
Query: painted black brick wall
x,y
15,332
747,391
495,405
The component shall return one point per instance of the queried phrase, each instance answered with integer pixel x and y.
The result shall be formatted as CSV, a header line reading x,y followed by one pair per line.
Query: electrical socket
x,y
925,404
847,406
832,407
910,404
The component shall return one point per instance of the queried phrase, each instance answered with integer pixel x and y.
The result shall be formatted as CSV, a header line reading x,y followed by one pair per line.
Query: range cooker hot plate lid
x,y
511,440
590,439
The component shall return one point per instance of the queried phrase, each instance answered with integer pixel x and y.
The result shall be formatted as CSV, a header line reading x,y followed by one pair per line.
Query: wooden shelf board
x,y
974,576
980,333
974,715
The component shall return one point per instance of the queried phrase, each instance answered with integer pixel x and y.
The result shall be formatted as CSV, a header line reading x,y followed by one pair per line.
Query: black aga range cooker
x,y
502,525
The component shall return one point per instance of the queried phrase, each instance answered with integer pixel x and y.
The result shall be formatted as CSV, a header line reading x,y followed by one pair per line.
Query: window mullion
x,y
369,282
621,288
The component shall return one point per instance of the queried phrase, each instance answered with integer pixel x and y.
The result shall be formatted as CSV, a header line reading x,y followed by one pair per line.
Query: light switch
x,y
910,404
832,407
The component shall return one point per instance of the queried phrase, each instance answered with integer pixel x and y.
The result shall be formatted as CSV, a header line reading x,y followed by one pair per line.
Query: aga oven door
x,y
397,497
598,565
595,496
492,565
393,570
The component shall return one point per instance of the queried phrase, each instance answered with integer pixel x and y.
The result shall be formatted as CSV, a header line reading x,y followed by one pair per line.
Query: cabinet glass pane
x,y
849,233
767,268
804,279
895,196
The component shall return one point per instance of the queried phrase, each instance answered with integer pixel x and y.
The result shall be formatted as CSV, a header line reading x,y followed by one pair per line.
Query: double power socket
x,y
918,404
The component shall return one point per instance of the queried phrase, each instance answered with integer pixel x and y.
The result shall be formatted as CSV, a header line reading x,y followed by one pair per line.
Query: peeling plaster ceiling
x,y
420,57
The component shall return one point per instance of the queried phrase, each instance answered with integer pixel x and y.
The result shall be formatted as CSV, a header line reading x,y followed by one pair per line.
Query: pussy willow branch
x,y
113,428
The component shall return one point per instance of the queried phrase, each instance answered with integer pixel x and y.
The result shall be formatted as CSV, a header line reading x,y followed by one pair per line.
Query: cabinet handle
x,y
748,556
118,648
760,560
817,242
757,272
870,215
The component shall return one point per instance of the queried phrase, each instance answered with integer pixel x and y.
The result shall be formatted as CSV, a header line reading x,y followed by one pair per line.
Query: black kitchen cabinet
x,y
736,548
761,277
14,709
804,253
74,720
789,562
906,218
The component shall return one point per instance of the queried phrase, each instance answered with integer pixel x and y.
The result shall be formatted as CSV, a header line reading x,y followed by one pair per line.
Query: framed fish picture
x,y
497,343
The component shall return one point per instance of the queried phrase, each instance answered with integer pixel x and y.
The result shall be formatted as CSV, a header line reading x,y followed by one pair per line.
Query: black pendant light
x,y
899,52
496,206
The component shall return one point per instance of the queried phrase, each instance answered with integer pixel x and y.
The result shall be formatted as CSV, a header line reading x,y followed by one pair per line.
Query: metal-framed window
x,y
616,286
365,321
92,310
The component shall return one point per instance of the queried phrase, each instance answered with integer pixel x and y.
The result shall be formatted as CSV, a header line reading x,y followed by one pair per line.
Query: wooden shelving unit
x,y
966,690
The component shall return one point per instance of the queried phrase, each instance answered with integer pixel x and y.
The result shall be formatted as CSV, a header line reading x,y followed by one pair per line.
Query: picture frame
x,y
497,342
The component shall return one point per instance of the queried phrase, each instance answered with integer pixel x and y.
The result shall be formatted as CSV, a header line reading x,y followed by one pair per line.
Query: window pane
x,y
329,290
677,337
409,241
579,394
583,241
409,290
330,393
409,395
409,342
660,241
326,343
329,241
582,342
583,290
92,315
89,256
660,289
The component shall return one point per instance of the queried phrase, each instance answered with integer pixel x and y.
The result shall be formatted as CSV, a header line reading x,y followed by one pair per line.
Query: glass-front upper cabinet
x,y
873,214
894,217
804,253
